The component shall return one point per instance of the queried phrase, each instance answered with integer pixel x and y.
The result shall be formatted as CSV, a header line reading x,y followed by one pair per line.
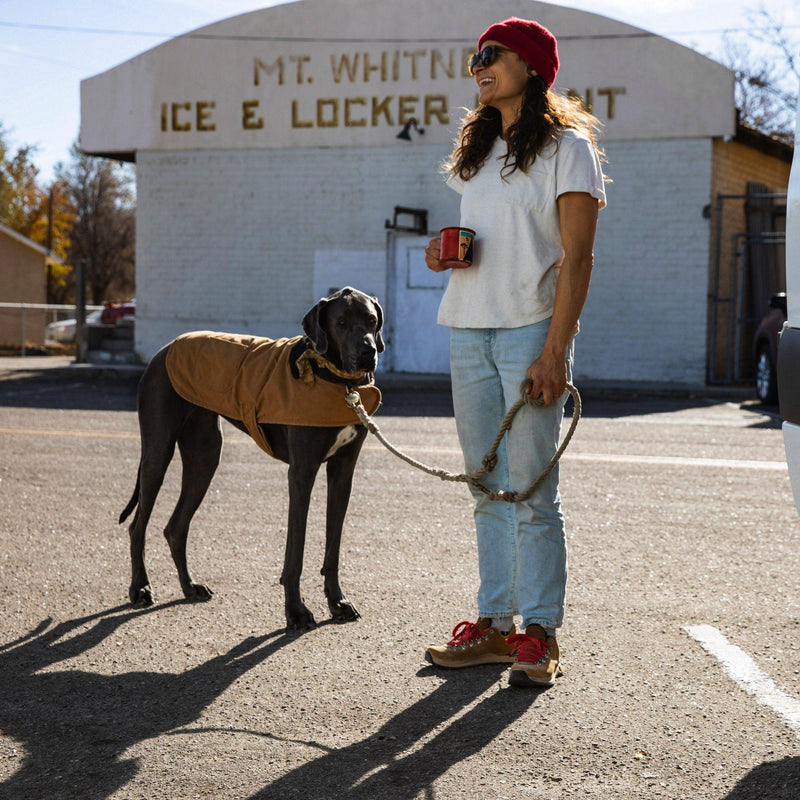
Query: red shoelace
x,y
465,632
527,648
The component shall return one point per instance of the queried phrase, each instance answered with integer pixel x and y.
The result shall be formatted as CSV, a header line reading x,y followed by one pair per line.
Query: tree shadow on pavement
x,y
415,747
75,725
773,780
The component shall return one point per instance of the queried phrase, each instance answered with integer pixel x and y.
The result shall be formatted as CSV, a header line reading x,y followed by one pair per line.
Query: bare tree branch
x,y
100,194
767,72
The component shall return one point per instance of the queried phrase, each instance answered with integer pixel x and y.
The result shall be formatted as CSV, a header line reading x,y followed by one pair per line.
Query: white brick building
x,y
268,164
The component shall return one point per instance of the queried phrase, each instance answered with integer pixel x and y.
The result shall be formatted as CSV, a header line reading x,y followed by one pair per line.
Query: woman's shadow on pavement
x,y
416,746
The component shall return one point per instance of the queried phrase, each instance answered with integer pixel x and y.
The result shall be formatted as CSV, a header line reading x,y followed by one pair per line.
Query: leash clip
x,y
353,399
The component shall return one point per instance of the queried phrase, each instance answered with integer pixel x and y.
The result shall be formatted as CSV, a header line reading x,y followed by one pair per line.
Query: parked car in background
x,y
63,331
113,312
789,345
765,349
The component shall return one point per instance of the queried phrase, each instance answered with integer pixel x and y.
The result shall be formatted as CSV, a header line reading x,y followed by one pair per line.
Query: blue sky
x,y
47,48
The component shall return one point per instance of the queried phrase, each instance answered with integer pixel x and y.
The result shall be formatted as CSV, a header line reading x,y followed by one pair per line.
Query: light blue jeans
x,y
522,549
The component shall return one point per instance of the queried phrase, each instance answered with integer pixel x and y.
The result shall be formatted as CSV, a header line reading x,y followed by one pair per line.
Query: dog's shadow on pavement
x,y
75,725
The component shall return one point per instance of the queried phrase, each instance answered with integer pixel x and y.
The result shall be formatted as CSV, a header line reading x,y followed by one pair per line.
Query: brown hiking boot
x,y
538,658
473,643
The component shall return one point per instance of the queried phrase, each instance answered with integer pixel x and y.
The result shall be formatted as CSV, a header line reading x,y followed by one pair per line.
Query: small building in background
x,y
23,279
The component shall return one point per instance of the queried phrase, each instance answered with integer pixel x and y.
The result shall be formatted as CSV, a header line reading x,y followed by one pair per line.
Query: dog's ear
x,y
313,325
378,338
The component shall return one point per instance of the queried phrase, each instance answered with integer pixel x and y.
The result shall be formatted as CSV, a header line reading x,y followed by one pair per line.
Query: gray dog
x,y
275,396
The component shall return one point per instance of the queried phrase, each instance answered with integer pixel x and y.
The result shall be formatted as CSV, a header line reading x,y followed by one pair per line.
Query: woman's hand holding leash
x,y
546,379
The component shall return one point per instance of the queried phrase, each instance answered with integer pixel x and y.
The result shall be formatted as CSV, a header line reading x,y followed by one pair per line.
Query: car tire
x,y
766,377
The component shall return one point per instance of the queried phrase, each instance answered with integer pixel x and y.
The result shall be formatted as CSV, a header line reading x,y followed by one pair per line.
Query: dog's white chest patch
x,y
345,436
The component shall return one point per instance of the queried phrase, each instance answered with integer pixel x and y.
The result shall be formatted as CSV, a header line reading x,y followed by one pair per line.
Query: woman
x,y
528,169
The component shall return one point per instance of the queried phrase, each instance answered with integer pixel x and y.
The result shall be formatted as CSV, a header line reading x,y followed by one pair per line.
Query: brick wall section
x,y
645,319
227,240
735,164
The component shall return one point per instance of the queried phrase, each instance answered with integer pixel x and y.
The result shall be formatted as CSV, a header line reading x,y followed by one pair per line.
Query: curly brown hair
x,y
544,114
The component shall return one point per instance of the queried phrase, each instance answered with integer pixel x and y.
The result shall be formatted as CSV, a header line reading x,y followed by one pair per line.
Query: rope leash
x,y
489,461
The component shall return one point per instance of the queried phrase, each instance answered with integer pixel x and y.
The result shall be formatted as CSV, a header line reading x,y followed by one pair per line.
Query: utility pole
x,y
80,313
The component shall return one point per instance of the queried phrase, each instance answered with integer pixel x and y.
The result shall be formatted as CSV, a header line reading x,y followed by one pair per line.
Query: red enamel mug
x,y
456,247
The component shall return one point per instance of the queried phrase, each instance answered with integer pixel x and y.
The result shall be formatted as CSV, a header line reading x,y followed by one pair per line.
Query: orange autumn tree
x,y
22,200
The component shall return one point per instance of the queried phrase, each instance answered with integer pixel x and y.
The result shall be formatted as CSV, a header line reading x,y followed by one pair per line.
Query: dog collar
x,y
307,373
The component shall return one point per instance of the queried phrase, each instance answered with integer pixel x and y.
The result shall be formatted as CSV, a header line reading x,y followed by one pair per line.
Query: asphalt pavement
x,y
680,647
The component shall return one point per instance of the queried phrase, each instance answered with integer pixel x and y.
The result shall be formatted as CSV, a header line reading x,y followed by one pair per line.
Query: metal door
x,y
417,342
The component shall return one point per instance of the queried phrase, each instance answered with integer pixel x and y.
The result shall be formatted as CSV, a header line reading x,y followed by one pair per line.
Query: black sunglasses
x,y
486,57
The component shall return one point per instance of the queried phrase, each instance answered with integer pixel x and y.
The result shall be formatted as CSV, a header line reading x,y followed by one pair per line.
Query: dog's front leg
x,y
301,482
340,481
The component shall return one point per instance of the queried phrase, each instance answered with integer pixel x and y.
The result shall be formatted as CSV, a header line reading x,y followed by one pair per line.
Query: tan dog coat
x,y
249,378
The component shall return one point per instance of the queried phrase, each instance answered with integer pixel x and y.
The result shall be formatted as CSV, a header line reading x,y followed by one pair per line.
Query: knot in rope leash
x,y
489,462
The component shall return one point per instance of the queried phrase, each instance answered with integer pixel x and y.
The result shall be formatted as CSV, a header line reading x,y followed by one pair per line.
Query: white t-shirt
x,y
512,280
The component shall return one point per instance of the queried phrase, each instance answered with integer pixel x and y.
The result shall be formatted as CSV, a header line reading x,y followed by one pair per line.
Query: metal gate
x,y
748,268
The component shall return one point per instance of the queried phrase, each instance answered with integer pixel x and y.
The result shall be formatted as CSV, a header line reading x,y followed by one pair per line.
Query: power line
x,y
638,34
31,26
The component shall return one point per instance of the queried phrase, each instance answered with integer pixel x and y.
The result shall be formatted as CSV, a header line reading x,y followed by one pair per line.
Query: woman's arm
x,y
578,220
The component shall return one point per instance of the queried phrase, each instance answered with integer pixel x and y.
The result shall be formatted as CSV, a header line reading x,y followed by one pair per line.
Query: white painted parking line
x,y
616,458
679,461
739,666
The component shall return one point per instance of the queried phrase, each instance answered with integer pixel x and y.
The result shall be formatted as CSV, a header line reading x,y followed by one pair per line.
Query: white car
x,y
63,332
789,345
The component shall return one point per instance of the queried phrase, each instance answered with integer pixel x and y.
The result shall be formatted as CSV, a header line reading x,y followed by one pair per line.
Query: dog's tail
x,y
132,503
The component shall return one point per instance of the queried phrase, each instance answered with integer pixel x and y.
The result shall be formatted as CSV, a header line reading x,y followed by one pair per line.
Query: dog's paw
x,y
344,611
299,620
198,592
141,596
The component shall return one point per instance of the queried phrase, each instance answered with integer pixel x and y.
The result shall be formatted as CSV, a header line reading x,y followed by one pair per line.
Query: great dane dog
x,y
343,334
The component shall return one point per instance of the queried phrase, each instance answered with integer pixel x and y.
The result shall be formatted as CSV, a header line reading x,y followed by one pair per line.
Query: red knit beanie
x,y
529,40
